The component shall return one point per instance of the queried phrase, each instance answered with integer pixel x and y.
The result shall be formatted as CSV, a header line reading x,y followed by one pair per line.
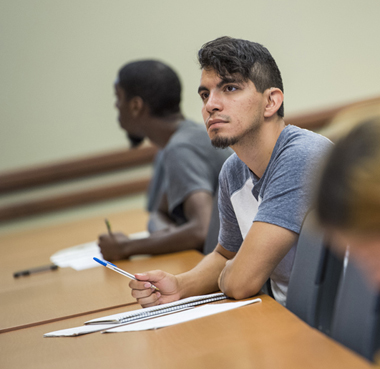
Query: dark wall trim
x,y
320,118
69,200
72,169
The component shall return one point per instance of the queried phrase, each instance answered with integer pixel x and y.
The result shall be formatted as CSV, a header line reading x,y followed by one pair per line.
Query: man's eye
x,y
231,88
204,95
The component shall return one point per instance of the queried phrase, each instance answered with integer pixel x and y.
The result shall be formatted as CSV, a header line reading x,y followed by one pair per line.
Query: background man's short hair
x,y
155,82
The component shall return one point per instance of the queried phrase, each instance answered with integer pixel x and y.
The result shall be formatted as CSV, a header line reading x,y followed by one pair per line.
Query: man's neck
x,y
257,151
161,129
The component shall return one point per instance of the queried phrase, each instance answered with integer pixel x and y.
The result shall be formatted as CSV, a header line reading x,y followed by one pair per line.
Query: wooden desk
x,y
24,250
55,295
262,335
66,292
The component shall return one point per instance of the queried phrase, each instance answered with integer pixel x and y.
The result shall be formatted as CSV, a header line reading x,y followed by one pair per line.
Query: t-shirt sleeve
x,y
229,232
289,189
186,172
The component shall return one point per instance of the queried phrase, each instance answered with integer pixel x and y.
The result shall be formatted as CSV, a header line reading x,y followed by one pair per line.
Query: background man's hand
x,y
114,247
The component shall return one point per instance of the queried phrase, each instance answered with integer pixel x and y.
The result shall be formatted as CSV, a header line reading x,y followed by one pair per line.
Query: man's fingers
x,y
139,294
154,276
103,236
137,285
150,300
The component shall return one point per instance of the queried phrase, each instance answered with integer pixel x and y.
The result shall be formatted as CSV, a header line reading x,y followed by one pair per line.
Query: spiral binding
x,y
171,307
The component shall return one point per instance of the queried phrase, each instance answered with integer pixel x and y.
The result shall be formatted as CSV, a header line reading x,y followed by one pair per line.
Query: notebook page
x,y
181,317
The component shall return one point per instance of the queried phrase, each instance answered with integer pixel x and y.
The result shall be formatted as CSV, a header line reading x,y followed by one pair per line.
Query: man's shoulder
x,y
301,135
193,137
297,151
189,132
296,140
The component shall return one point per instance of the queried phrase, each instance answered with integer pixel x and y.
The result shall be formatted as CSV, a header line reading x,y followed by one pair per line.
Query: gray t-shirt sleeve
x,y
229,232
289,185
186,172
286,195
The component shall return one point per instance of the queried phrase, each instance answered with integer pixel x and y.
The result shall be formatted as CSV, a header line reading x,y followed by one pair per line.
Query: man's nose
x,y
214,103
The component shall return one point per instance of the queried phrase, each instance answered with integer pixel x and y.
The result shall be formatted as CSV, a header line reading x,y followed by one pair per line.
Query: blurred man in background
x,y
186,170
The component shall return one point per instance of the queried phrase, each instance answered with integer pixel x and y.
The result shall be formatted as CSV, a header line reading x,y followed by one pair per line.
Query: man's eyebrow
x,y
202,88
224,81
228,79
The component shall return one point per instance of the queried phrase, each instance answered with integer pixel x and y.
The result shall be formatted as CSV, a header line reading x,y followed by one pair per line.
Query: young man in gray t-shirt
x,y
280,197
265,186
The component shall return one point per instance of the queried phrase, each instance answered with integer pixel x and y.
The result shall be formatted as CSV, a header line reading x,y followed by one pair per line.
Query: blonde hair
x,y
348,196
345,120
365,186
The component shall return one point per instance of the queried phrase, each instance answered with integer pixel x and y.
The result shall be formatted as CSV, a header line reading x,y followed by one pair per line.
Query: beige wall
x,y
59,60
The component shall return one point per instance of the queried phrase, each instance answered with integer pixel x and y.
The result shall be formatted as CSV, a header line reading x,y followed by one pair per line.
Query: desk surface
x,y
66,292
262,335
24,250
63,293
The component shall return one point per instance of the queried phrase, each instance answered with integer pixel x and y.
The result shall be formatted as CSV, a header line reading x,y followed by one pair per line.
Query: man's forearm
x,y
185,237
203,278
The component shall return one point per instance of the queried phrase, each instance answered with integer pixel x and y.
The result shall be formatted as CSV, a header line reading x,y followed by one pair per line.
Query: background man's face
x,y
121,105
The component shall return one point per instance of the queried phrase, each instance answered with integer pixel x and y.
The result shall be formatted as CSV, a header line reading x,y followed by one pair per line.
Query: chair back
x,y
315,277
356,322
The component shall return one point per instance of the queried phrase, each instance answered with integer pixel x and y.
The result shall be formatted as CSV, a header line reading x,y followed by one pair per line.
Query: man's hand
x,y
114,246
146,295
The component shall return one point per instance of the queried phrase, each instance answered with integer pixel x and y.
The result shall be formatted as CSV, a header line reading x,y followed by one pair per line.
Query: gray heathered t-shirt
x,y
187,164
282,196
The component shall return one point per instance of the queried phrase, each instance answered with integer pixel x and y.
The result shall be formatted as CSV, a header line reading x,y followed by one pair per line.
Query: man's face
x,y
121,104
126,118
232,108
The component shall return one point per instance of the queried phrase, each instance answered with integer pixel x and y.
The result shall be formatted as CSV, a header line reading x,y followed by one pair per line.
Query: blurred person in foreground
x,y
264,187
186,169
348,197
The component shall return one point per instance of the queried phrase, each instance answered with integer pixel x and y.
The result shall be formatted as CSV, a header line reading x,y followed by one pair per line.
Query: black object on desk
x,y
44,268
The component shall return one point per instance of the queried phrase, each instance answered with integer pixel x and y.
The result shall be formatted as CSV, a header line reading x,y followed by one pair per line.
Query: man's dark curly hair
x,y
229,56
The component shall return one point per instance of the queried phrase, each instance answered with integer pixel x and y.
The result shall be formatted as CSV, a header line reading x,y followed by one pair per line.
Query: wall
x,y
59,60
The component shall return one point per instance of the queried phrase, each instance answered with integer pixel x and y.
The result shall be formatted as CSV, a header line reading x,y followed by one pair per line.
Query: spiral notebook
x,y
158,320
159,310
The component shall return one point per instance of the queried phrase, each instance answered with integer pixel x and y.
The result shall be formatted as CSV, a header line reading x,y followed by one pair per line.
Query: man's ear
x,y
136,105
274,97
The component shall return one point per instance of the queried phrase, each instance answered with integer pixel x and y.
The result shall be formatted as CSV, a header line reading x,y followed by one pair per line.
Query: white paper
x,y
153,323
81,256
77,331
181,317
95,327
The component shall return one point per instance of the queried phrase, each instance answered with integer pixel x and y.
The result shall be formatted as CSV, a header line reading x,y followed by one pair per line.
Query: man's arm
x,y
191,235
200,280
263,248
159,219
238,275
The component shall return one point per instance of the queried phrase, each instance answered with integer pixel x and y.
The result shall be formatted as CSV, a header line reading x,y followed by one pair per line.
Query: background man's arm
x,y
263,248
191,235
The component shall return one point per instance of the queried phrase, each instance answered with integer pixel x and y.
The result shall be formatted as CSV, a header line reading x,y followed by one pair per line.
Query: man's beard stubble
x,y
224,142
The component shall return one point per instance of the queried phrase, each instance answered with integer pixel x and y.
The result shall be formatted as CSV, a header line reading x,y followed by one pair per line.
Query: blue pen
x,y
118,270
